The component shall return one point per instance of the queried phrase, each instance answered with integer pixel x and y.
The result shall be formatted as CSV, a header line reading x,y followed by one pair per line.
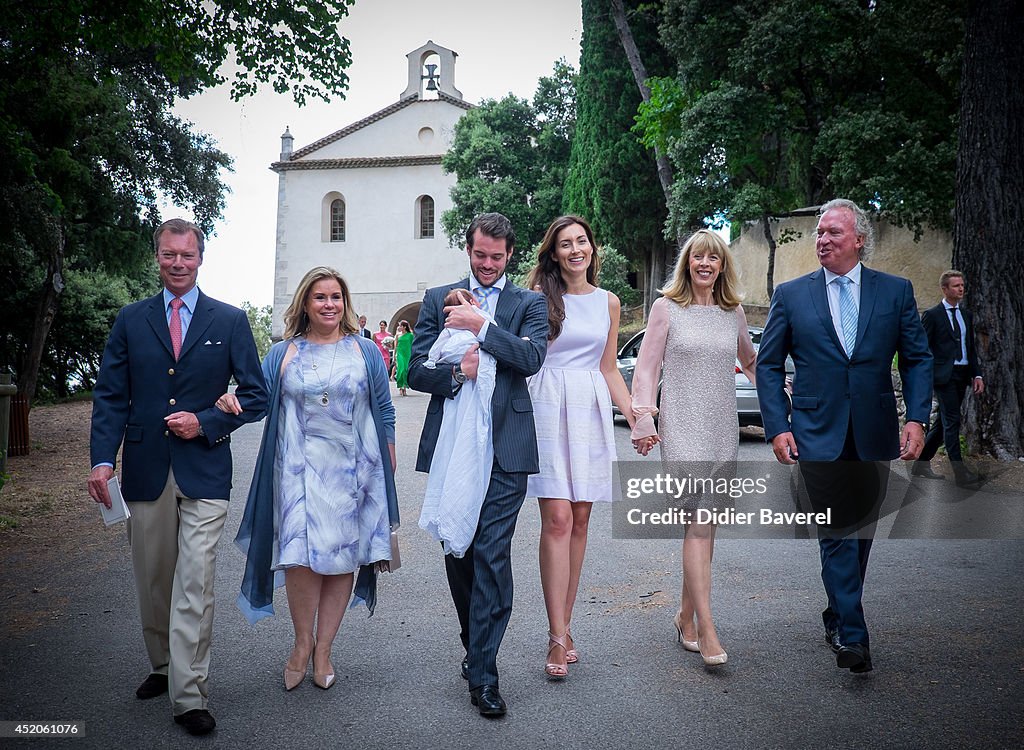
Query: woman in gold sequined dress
x,y
695,334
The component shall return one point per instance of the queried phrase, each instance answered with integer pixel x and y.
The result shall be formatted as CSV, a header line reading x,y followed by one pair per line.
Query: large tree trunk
x,y
770,280
657,260
46,309
636,64
989,221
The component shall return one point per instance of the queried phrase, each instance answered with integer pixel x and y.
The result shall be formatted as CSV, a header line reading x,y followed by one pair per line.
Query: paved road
x,y
946,637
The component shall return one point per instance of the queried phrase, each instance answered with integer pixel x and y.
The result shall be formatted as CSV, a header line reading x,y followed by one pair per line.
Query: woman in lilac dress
x,y
572,403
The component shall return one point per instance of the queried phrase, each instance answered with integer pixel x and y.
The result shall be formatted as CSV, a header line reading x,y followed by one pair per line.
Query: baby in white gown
x,y
461,467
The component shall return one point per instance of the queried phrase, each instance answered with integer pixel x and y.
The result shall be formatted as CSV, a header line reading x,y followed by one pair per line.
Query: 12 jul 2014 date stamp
x,y
50,729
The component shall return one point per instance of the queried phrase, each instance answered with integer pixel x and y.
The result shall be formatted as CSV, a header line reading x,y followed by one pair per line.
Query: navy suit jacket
x,y
518,340
944,344
831,391
140,383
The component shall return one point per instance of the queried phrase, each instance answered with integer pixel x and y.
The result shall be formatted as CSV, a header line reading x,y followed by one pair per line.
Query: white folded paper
x,y
118,510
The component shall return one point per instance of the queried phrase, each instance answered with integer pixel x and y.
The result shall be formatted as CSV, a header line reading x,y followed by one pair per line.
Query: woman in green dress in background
x,y
403,353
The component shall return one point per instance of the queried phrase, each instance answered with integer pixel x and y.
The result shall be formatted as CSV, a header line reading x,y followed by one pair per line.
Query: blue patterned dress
x,y
331,502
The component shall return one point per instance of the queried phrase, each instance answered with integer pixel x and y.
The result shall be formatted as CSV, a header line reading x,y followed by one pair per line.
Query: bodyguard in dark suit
x,y
481,581
842,325
166,362
950,330
363,330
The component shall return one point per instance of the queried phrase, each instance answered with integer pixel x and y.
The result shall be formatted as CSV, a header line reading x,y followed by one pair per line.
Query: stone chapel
x,y
367,199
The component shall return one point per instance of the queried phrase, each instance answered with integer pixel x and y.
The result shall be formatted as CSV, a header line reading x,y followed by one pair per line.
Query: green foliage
x,y
780,104
89,147
613,180
511,156
614,270
260,321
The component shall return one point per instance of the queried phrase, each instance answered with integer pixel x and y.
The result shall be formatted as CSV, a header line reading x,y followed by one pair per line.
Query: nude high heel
x,y
323,680
687,645
571,654
294,677
553,670
716,660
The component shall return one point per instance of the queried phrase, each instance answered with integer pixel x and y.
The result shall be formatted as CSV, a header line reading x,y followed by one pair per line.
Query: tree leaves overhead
x,y
88,143
613,179
511,156
780,104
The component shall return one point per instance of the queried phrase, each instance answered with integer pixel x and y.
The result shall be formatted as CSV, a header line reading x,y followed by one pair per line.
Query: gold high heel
x,y
687,645
553,670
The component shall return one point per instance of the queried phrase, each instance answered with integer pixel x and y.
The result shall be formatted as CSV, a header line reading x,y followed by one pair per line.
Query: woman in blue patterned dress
x,y
322,500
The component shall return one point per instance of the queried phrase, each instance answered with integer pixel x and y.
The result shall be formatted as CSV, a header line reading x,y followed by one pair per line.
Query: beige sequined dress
x,y
694,348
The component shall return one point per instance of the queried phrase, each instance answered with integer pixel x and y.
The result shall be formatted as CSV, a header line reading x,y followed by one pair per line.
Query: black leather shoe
x,y
198,721
152,686
465,668
832,639
488,700
965,478
856,657
924,469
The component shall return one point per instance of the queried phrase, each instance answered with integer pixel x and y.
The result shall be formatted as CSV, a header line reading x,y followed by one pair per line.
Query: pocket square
x,y
212,343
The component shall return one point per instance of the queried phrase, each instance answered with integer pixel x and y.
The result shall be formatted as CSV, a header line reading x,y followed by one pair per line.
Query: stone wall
x,y
896,252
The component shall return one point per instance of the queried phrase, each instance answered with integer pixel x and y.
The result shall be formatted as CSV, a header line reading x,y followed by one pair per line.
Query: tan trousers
x,y
173,541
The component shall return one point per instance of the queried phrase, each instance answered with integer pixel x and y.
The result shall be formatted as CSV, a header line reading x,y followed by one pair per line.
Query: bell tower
x,y
431,69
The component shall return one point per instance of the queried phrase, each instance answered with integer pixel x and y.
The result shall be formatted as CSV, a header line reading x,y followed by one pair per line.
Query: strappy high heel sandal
x,y
553,670
571,654
688,645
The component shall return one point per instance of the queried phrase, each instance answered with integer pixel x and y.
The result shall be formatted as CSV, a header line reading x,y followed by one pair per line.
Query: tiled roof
x,y
357,162
378,115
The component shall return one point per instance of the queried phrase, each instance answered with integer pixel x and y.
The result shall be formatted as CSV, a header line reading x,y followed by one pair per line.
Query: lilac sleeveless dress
x,y
573,409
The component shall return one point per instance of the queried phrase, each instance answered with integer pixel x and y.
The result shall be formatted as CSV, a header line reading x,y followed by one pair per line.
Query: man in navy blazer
x,y
842,325
166,362
481,581
950,331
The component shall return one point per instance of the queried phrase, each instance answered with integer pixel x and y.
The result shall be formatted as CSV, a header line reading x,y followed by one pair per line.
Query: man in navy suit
x,y
481,581
166,362
842,325
950,330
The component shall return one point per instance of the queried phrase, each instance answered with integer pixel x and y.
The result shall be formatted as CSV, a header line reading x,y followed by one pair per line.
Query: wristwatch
x,y
458,375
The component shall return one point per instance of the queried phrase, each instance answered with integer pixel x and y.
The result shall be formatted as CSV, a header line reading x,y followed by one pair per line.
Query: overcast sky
x,y
502,47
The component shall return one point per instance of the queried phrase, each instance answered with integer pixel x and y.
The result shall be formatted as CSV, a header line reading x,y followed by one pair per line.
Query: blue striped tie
x,y
847,313
482,293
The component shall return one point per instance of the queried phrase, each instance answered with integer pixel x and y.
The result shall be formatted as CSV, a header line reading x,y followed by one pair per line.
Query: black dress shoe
x,y
856,657
832,639
198,721
152,686
464,668
924,469
488,700
965,478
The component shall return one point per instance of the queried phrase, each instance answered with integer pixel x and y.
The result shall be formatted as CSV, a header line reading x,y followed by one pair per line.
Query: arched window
x,y
424,217
337,220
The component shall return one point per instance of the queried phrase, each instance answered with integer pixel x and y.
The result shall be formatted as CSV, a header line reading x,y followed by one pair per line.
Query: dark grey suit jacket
x,y
518,341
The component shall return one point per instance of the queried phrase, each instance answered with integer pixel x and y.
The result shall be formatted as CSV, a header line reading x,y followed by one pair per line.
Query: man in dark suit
x,y
363,330
166,362
481,581
842,324
950,330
